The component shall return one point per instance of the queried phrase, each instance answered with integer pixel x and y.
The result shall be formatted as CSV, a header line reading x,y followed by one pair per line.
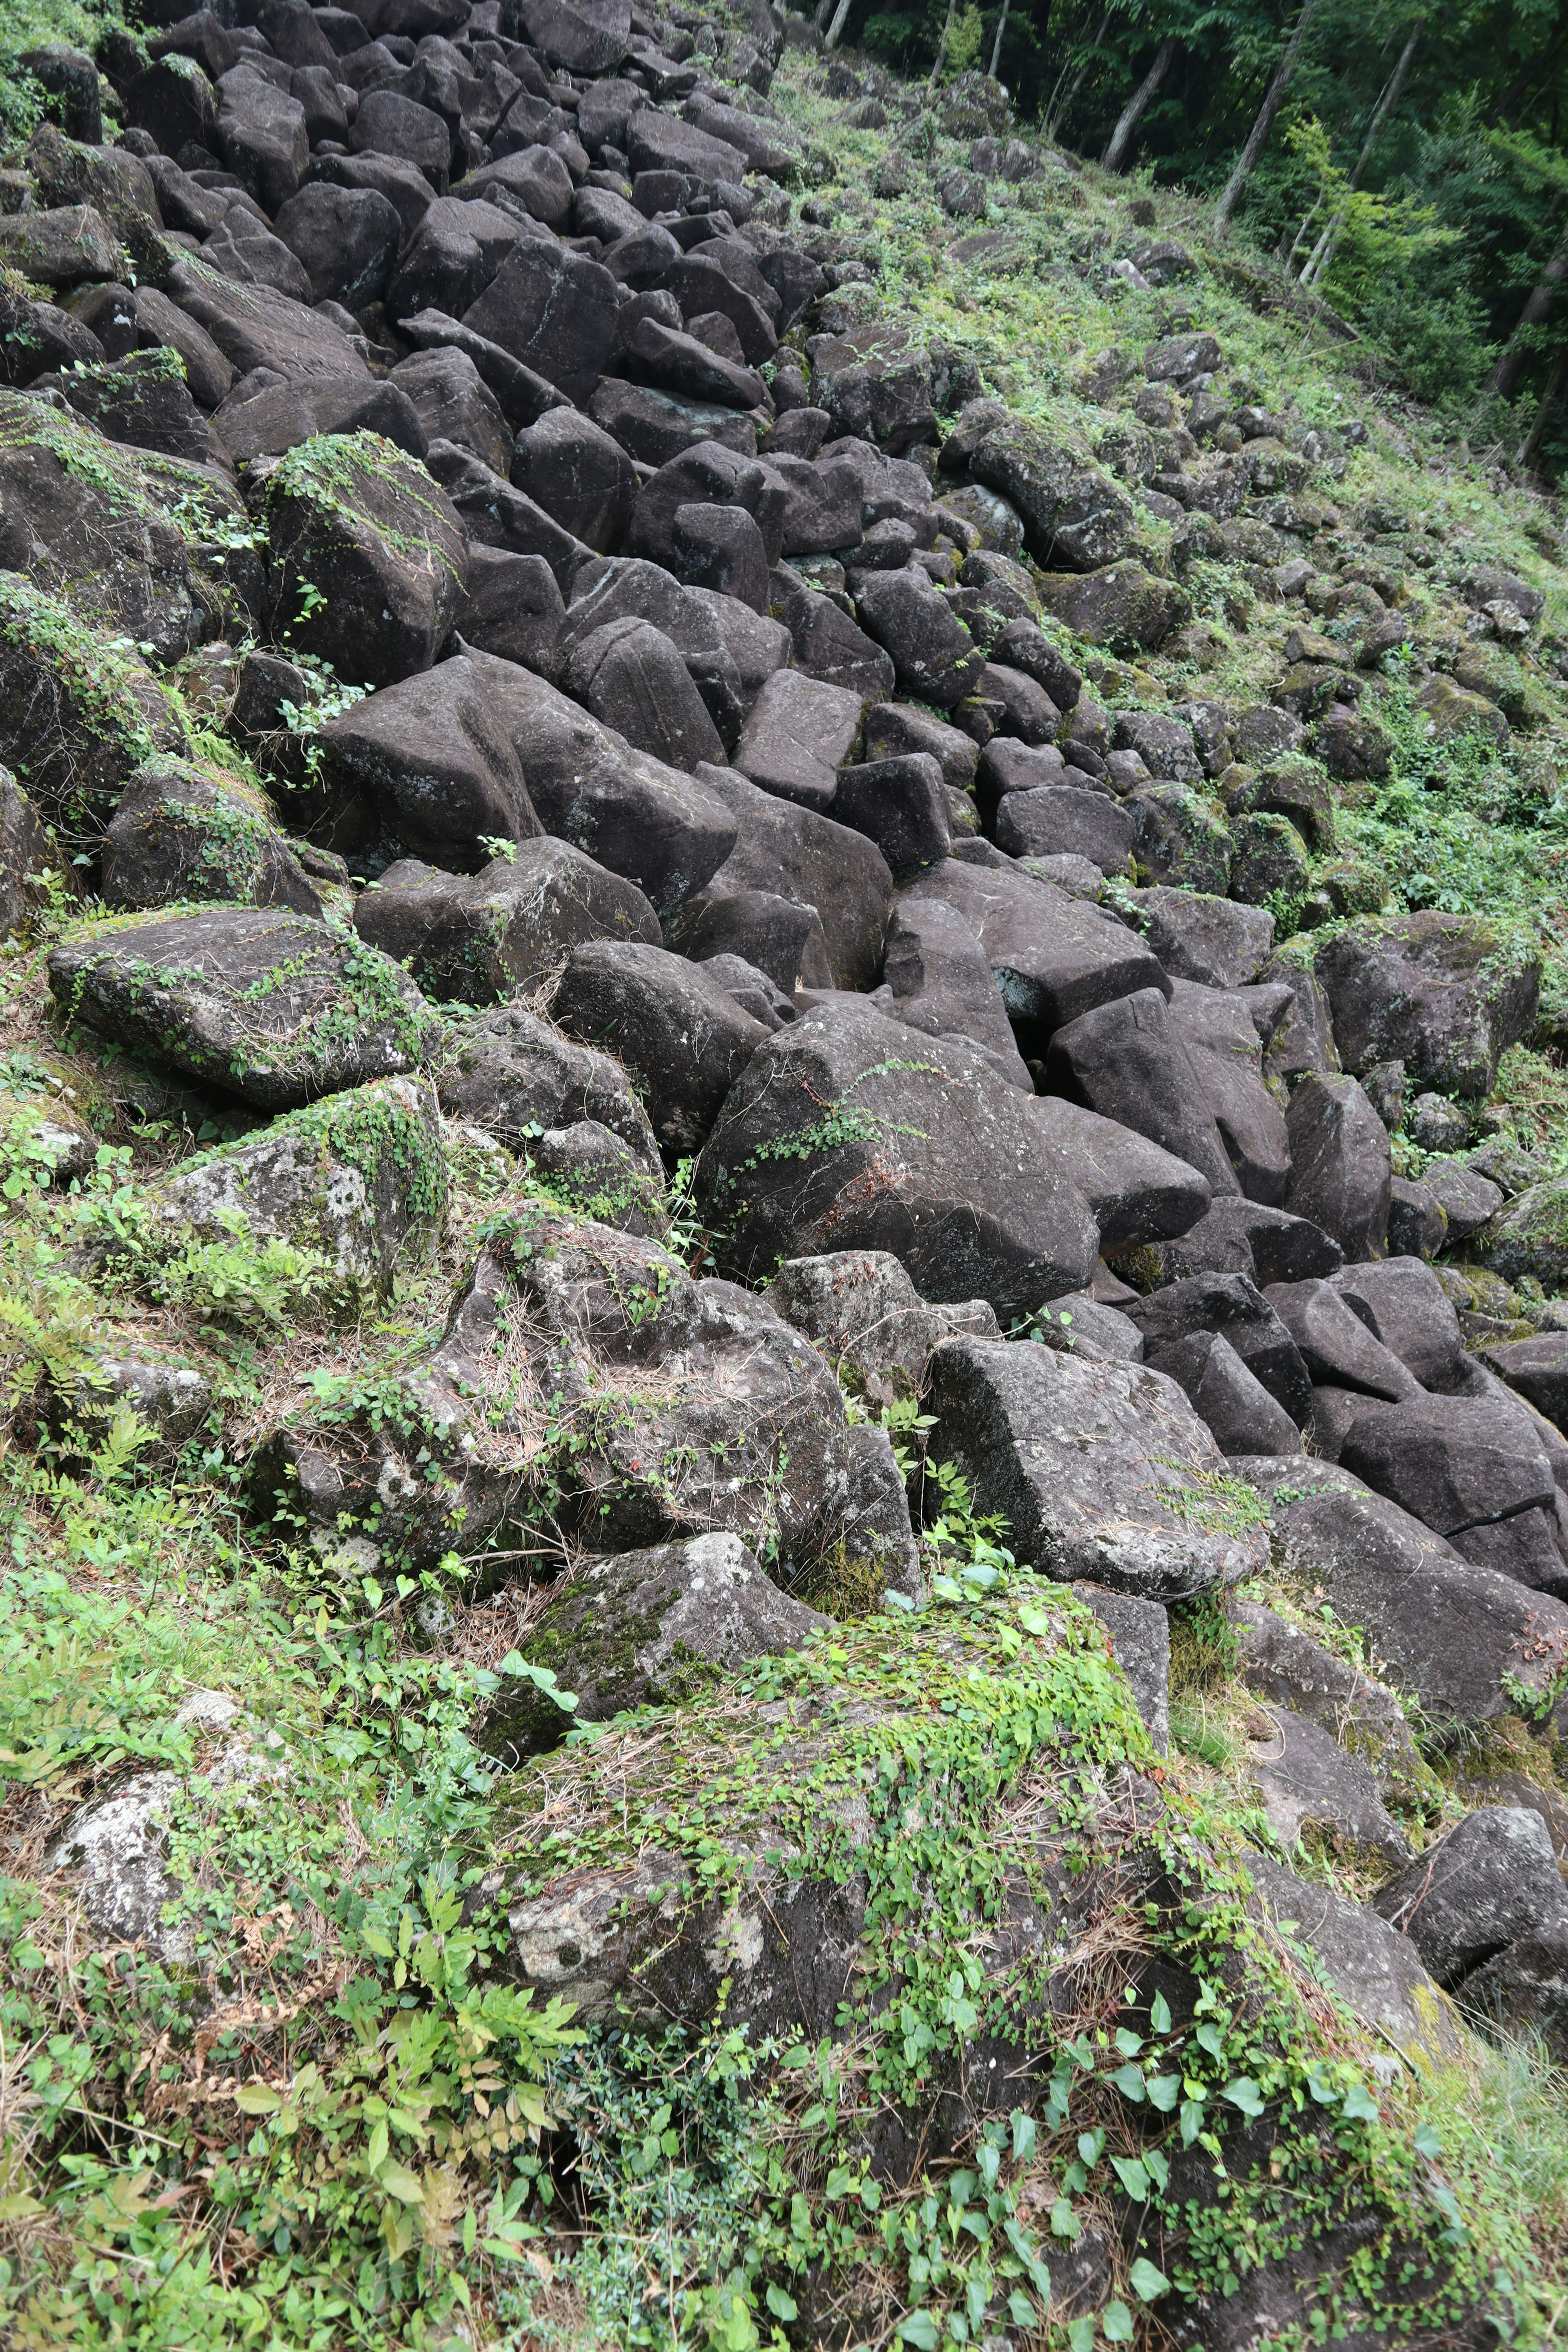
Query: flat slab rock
x,y
1307,1783
1104,1471
263,1003
1374,1970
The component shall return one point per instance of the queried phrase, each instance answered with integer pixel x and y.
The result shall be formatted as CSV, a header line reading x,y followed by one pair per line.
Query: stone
x,y
1462,1640
645,1629
1178,839
243,249
936,979
62,247
183,831
894,727
706,473
1417,1223
1217,1030
267,1005
934,657
454,255
1270,867
630,676
480,938
1449,711
1524,1992
554,311
76,716
793,853
650,1407
1467,1200
1404,1305
1454,1463
1493,1877
1308,1784
773,939
1135,1497
902,805
28,859
357,1184
683,1040
596,1174
512,1075
799,732
1240,1236
36,337
1442,994
960,1193
1126,610
1138,1634
1231,1401
1537,1369
261,136
426,768
1056,820
579,474
345,239
654,426
1210,939
1336,1346
877,1532
828,645
495,515
523,393
1055,958
1529,1237
365,555
721,549
453,402
1282,1664
255,326
1127,1061
1233,1306
1074,514
1137,1192
1339,1165
860,1310
876,385
698,627
1376,1971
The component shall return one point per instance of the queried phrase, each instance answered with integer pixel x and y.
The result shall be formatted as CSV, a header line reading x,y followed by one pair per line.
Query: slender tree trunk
x,y
837,27
1257,137
941,45
1056,112
1525,454
996,44
824,11
1133,113
1322,253
1503,379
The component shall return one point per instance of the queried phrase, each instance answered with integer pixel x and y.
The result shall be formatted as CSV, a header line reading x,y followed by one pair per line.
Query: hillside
x,y
783,1284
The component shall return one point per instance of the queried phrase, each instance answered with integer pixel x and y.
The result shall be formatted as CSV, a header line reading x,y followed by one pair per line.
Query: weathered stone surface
x,y
1103,1471
795,853
1073,513
554,311
478,939
187,830
1230,1401
1373,1967
269,1006
934,657
936,978
1337,1347
1137,1192
1454,1463
681,1037
1443,994
1339,1167
862,1310
1403,1304
1127,1060
1230,1304
1309,1784
585,1363
255,326
1529,1236
514,1075
1237,1237
646,1627
1281,1663
1492,1878
1124,608
629,674
1537,1368
78,717
799,732
878,1536
838,1136
345,239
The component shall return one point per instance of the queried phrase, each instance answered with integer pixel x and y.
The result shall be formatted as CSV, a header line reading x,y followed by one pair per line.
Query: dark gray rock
x,y
798,733
1055,820
261,137
1376,1971
1454,1463
654,426
721,548
1338,1347
773,937
1231,1401
936,978
829,645
895,727
1127,1061
1129,1499
708,474
1303,1041
1469,1201
182,830
284,415
1529,1238
596,1174
513,609
902,805
961,1192
345,239
1074,515
514,1075
1492,1878
1524,1992
1339,1167
627,588
1405,1306
478,939
1443,994
1237,1237
860,1310
876,1526
244,249
453,402
269,1006
629,674
934,657
1216,1028
1307,1783
684,1041
1417,1224
1229,1304
796,854
646,1628
579,474
1537,1369
1138,1634
1281,1663
553,309
1137,1192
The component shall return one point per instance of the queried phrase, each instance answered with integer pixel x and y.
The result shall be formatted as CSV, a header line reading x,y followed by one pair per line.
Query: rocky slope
x,y
785,1207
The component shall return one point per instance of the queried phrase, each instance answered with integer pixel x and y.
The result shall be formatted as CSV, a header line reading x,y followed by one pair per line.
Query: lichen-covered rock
x,y
1444,994
582,1373
509,1072
1122,607
478,939
1103,1471
271,1007
1074,514
846,1133
184,829
860,1310
1281,1661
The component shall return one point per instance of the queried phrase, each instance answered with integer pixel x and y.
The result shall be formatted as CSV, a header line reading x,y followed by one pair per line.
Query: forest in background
x,y
1405,162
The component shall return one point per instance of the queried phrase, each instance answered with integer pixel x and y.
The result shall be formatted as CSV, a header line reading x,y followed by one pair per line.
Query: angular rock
x,y
827,645
799,732
1216,1028
1073,513
680,1036
1307,1783
1537,1369
1454,1463
269,1006
1135,1497
346,240
183,831
791,852
255,326
934,657
278,419
1231,1401
554,311
1340,1166
936,979
862,1310
1136,1191
629,674
1213,941
1404,1305
478,939
1492,1878
1337,1347
1231,1305
511,1074
1442,994
902,805
1283,1664
77,716
1127,1061
1238,1236
1530,1237
645,1629
1376,1970
877,1537
578,474
453,402
1057,820
838,1136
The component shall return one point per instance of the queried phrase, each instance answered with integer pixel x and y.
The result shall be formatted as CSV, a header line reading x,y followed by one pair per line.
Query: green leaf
x,y
782,2304
1132,2175
1244,2093
1163,2091
1081,2333
1129,2080
1064,2221
1160,2013
256,2099
1117,2320
1023,2136
1020,2310
1427,2142
1359,2107
919,2331
1191,2120
1147,2283
399,2182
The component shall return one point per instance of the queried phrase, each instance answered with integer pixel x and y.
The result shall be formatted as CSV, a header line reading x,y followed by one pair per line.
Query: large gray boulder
x,y
477,939
512,1074
1444,994
1376,1970
859,1309
1492,1878
846,1134
1137,1191
681,1037
1102,1471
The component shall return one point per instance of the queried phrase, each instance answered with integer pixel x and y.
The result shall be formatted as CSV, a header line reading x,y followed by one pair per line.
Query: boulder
x,y
936,978
1231,1401
1063,820
1529,1237
269,423
453,402
255,326
1336,1345
773,941
1127,1061
1281,1663
1102,1471
840,1136
478,939
513,609
1136,1191
629,673
1537,1369
1308,1785
184,830
793,853
584,1370
934,657
874,384
799,732
903,805
367,564
77,716
269,1006
1340,1166
646,1628
1074,514
827,645
1239,1236
514,1076
1493,1877
1454,1463
1445,995
682,1039
1217,1030
1404,1305
345,239
1375,1971
1231,1305
698,625
579,474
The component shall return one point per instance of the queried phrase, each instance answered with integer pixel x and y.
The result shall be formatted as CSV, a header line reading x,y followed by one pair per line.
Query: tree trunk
x,y
1055,113
1525,453
824,11
941,45
1322,253
1503,380
1257,137
996,44
837,27
1131,114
